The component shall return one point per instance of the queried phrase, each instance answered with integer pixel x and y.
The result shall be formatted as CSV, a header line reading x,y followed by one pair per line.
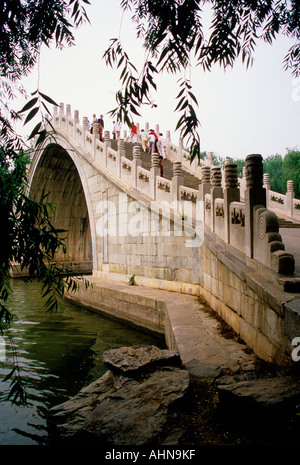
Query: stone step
x,y
189,180
284,223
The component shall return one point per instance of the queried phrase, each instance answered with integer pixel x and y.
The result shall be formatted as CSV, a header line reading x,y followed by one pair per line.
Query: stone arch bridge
x,y
193,231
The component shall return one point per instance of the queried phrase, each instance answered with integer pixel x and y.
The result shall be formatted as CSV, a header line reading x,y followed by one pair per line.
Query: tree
x,y
291,170
273,165
26,234
175,38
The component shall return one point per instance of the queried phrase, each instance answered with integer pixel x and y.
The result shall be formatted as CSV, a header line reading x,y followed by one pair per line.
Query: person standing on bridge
x,y
156,140
133,134
101,126
151,141
162,143
144,140
94,120
118,128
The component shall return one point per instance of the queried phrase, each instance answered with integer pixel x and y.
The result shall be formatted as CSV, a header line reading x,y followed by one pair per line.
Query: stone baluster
x,y
85,129
136,161
69,124
168,143
55,116
85,123
266,185
157,129
205,185
210,161
76,123
121,147
146,128
155,171
121,151
177,181
62,117
290,195
107,138
255,194
76,116
216,191
231,194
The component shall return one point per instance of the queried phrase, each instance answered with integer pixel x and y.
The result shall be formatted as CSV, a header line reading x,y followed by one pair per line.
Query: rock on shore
x,y
128,405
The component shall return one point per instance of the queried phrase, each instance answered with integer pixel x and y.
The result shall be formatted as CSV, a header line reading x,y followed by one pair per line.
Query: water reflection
x,y
58,355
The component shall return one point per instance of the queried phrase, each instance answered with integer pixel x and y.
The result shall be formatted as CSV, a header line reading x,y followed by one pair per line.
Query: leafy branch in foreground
x,y
27,236
178,33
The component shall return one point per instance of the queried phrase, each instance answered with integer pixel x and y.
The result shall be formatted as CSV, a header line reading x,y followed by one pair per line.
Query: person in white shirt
x,y
144,140
162,145
151,142
118,127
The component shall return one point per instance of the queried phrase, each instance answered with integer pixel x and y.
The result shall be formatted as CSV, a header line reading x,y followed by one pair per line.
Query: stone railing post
x,y
290,195
177,181
210,159
255,194
85,129
168,143
55,116
154,171
136,161
62,116
204,187
231,194
267,187
107,138
76,116
76,122
121,151
216,191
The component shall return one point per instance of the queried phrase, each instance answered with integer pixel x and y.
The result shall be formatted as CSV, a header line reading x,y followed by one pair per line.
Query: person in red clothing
x,y
156,140
133,134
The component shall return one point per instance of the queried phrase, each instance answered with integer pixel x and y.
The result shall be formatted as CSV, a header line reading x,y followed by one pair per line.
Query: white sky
x,y
241,112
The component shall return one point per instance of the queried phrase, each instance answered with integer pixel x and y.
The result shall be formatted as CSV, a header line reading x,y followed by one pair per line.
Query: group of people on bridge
x,y
151,142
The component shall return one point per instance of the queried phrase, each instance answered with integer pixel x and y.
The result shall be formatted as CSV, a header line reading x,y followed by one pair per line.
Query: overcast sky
x,y
241,111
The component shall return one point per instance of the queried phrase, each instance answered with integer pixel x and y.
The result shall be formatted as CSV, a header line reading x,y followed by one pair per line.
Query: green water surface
x,y
58,354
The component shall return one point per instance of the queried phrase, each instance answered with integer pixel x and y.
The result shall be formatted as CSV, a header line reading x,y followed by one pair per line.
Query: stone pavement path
x,y
194,332
291,240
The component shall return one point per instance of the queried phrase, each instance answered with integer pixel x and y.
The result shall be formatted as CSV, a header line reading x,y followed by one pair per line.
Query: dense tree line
x,y
283,169
280,169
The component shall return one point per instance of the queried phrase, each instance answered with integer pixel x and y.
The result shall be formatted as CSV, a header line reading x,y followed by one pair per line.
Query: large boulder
x,y
123,409
135,359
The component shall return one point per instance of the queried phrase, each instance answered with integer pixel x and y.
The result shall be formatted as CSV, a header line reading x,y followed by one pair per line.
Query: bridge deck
x,y
291,240
188,179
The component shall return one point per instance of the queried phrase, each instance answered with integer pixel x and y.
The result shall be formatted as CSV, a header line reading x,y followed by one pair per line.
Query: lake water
x,y
58,353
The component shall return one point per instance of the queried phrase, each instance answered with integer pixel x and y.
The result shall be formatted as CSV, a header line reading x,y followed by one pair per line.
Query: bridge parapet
x,y
238,215
284,205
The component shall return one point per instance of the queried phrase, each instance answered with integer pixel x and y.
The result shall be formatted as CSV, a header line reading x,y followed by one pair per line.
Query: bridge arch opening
x,y
56,175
